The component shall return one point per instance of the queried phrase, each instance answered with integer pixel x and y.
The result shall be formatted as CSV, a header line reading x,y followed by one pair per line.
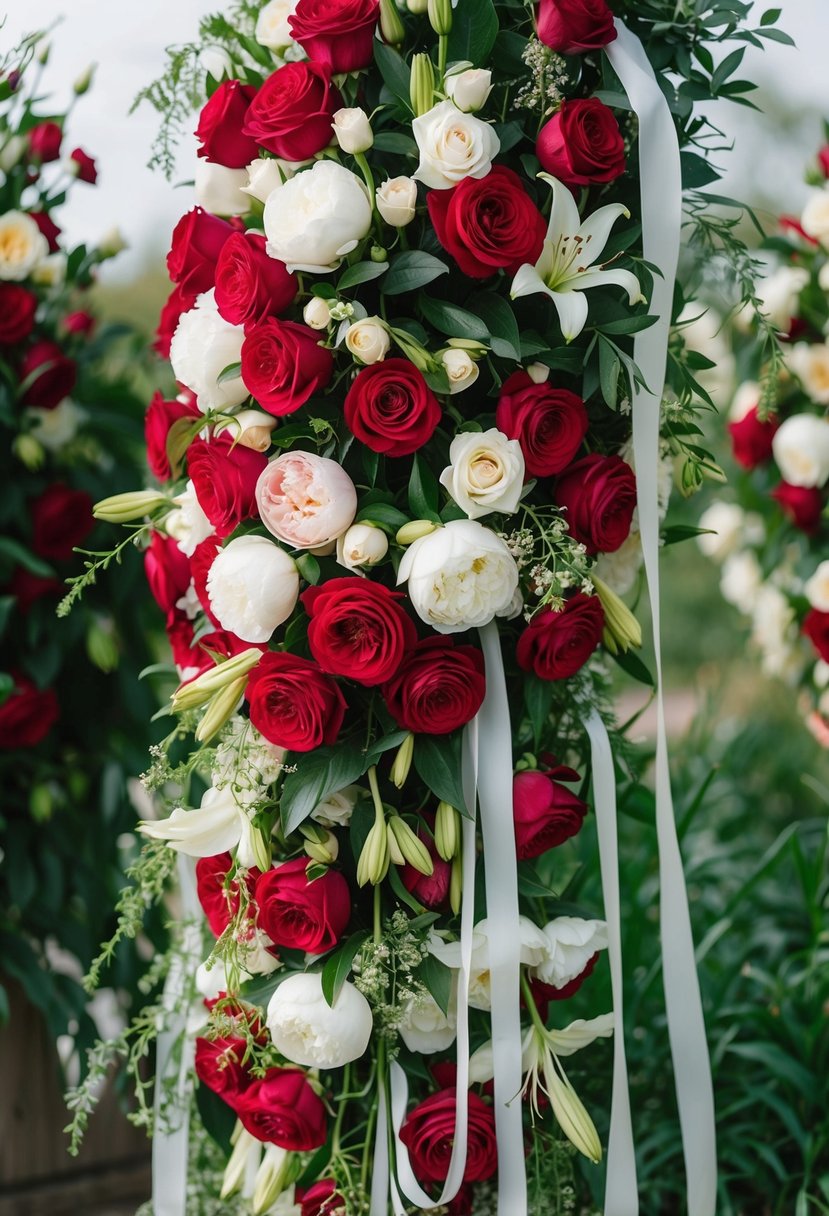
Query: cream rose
x,y
352,130
251,428
801,450
317,217
778,294
461,370
396,200
272,28
306,500
253,587
452,146
815,217
485,472
265,176
362,545
317,313
307,1030
22,245
572,942
203,345
810,362
469,89
368,340
816,589
221,190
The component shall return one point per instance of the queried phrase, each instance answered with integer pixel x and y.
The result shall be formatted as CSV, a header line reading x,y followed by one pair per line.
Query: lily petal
x,y
527,282
564,215
611,277
571,307
580,1033
596,229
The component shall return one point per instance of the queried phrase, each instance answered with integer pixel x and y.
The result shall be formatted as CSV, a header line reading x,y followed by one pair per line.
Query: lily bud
x,y
260,848
403,762
244,1147
620,622
199,691
413,531
447,833
320,845
411,846
440,16
102,645
456,885
476,350
29,452
392,29
571,1114
395,854
274,1175
373,864
418,7
123,508
222,707
422,84
41,803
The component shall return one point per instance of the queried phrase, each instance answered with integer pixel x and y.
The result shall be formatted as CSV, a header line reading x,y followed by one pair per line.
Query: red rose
x,y
201,560
61,519
283,364
198,239
293,704
160,416
198,657
556,644
321,1199
431,889
336,33
44,141
48,227
27,715
816,628
438,687
179,300
219,898
220,135
488,223
429,1134
358,629
224,476
220,1066
549,423
823,160
167,570
249,284
391,409
599,496
751,438
544,993
28,588
573,26
49,373
582,143
546,813
301,915
291,114
803,505
17,313
85,170
79,322
283,1109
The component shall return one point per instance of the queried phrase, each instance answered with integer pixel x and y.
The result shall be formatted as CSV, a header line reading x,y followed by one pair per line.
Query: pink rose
x,y
306,500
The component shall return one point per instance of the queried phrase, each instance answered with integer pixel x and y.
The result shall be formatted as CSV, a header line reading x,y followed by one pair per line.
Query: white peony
x,y
188,524
362,545
307,1030
534,949
272,28
485,472
368,340
779,293
337,809
203,345
425,1028
396,200
801,450
816,589
352,130
459,577
572,942
221,190
22,245
452,146
725,522
469,89
253,587
317,217
740,580
810,362
815,217
461,370
55,428
216,827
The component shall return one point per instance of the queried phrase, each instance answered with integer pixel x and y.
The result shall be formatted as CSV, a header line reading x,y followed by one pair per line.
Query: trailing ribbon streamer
x,y
661,194
172,1101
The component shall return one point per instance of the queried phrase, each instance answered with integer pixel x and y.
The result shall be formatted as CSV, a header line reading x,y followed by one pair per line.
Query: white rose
x,y
485,473
215,61
188,524
368,340
317,217
801,450
461,370
469,89
724,522
572,943
251,428
396,200
362,545
815,217
816,589
810,362
453,146
253,587
745,399
779,293
459,577
425,1028
55,428
51,270
203,345
22,245
307,1030
317,313
740,580
264,176
272,28
337,809
352,130
772,632
221,190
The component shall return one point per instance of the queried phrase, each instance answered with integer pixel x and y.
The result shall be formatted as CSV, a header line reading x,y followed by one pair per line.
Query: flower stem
x,y
443,51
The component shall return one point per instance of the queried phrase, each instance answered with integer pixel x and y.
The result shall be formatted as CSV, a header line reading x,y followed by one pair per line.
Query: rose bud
x,y
362,545
44,141
316,313
546,813
353,130
396,201
469,89
582,143
83,166
251,428
368,340
573,26
461,370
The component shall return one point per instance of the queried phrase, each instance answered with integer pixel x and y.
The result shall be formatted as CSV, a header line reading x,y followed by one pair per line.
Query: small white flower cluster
x,y
549,81
384,974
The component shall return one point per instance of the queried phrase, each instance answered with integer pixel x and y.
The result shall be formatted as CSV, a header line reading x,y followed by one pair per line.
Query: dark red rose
x,y
391,409
220,134
582,143
179,300
321,1199
546,813
549,423
300,915
28,588
283,364
438,687
291,115
803,505
167,570
816,628
44,141
220,1065
80,322
49,374
823,160
17,313
198,656
358,629
202,559
218,897
198,239
429,1133
249,284
599,496
293,704
27,715
48,227
573,26
751,438
61,519
431,889
336,33
85,170
160,416
283,1109
544,993
556,644
224,476
488,223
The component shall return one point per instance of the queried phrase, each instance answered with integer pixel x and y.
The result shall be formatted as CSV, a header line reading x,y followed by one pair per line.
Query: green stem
x,y
341,1105
531,1005
378,915
368,176
443,51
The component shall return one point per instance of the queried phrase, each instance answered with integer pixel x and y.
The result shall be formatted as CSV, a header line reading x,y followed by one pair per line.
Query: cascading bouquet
x,y
403,324
771,541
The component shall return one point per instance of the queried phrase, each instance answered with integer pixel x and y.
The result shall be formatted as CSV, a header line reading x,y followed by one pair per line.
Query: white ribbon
x,y
661,195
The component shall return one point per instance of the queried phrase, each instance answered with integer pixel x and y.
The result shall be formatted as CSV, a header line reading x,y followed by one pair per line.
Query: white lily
x,y
567,266
217,826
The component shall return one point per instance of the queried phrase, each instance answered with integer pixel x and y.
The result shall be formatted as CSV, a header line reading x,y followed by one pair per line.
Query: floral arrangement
x,y
771,541
402,324
72,726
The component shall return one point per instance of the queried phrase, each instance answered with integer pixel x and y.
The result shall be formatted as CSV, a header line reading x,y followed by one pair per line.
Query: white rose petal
x,y
22,245
216,61
272,28
317,217
461,370
368,340
362,545
337,809
452,146
264,176
815,217
221,190
396,200
724,522
572,943
779,294
816,589
469,89
203,345
485,473
306,1030
745,400
188,524
810,361
253,587
801,450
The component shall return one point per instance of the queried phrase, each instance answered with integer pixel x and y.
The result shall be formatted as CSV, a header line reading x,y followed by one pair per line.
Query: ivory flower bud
x,y
461,370
123,508
724,523
253,587
368,340
112,243
452,146
396,200
251,428
317,313
816,588
539,373
12,151
352,130
83,82
362,545
221,190
22,245
216,62
485,473
305,500
810,361
272,28
801,450
307,1030
469,89
413,531
199,691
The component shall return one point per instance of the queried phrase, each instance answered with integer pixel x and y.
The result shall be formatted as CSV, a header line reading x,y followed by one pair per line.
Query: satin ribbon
x,y
661,197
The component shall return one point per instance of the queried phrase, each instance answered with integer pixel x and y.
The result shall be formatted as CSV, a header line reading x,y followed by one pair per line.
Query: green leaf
x,y
677,533
395,142
770,16
318,773
231,372
19,555
500,320
438,979
338,965
609,368
411,270
424,494
538,698
627,325
437,761
696,171
361,272
474,30
217,1118
452,320
394,70
384,515
309,568
633,665
7,603
380,746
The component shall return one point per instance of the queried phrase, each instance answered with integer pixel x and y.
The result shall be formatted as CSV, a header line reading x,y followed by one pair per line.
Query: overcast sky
x,y
127,42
